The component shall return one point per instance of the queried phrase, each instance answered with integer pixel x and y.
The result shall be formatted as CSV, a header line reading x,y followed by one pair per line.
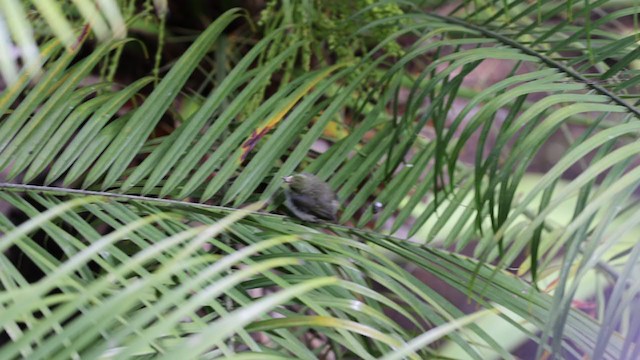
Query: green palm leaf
x,y
143,238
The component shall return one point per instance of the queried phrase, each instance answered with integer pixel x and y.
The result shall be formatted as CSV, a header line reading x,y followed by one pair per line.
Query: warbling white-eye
x,y
310,198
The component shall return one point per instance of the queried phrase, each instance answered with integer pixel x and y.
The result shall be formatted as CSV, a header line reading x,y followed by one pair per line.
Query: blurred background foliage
x,y
484,153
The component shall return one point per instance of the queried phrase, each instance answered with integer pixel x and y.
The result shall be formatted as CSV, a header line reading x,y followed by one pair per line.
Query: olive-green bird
x,y
310,198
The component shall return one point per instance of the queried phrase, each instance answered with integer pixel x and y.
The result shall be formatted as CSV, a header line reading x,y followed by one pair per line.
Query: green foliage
x,y
333,24
134,224
24,25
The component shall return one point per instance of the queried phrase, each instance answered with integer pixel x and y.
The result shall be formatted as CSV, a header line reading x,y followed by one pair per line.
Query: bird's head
x,y
300,182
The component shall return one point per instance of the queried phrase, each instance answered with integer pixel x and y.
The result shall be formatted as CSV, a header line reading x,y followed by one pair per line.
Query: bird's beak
x,y
287,179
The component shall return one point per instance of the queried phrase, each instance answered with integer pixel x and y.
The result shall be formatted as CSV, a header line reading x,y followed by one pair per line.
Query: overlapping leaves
x,y
142,277
224,155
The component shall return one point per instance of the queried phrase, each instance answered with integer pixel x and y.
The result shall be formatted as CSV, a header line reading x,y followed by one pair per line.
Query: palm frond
x,y
156,249
19,40
450,164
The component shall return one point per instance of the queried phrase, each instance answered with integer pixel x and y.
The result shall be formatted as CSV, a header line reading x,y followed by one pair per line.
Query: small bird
x,y
310,198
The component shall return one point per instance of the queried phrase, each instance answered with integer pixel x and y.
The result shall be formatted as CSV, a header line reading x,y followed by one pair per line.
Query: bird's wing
x,y
310,204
